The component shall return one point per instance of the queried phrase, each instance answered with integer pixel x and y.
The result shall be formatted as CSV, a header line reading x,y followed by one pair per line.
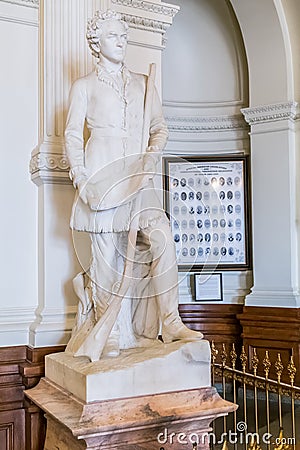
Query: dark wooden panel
x,y
11,396
9,354
12,430
6,436
276,330
21,368
37,355
217,322
35,426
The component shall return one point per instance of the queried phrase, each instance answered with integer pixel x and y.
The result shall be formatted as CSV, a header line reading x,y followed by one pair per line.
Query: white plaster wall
x,y
202,57
205,76
266,53
18,195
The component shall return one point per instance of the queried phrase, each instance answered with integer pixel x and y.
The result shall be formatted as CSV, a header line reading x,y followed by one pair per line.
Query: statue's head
x,y
107,35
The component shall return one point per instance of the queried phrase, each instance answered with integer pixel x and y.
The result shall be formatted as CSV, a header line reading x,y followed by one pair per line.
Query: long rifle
x,y
95,341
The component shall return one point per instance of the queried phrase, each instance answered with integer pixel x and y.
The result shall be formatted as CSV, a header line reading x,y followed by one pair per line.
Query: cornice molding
x,y
271,113
203,124
165,10
30,3
143,23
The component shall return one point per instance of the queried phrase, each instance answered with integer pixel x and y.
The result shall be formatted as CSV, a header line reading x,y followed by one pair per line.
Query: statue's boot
x,y
178,331
172,327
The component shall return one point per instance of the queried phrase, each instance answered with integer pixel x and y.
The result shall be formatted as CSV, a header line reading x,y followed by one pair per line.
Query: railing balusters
x,y
244,360
292,372
228,371
224,360
279,370
255,362
214,354
267,366
233,358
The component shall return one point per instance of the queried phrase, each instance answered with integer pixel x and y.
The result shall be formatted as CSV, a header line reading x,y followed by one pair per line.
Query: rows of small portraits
x,y
207,217
214,181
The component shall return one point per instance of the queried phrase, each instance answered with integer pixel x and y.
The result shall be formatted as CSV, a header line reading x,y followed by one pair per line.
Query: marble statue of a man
x,y
112,174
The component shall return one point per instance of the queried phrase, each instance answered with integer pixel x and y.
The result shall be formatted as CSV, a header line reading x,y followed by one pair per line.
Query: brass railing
x,y
253,426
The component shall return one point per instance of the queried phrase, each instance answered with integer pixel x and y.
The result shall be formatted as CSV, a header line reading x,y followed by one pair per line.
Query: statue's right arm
x,y
74,140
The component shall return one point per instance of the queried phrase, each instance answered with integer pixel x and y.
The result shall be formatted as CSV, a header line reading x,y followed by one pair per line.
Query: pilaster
x,y
275,204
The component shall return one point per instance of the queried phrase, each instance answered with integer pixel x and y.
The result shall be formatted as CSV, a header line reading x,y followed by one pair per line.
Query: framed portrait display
x,y
207,202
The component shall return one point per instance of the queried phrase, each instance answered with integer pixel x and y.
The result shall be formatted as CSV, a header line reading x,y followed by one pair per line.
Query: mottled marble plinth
x,y
171,421
141,371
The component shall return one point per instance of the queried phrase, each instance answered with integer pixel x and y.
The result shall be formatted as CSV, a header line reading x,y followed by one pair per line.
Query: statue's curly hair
x,y
93,32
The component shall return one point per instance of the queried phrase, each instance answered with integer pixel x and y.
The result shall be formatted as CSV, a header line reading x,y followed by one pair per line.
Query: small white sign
x,y
208,287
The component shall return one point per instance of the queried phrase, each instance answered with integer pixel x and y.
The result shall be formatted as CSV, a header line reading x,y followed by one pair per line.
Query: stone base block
x,y
168,421
141,371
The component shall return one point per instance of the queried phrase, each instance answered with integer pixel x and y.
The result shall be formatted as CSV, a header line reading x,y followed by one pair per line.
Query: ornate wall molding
x,y
142,23
271,113
50,168
166,10
49,162
202,124
30,3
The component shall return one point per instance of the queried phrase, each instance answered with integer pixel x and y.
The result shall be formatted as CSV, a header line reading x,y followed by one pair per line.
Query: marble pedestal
x,y
151,398
139,371
168,421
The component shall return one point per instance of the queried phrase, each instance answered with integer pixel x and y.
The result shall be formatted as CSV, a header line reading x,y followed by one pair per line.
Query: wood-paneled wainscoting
x,y
218,322
276,330
22,426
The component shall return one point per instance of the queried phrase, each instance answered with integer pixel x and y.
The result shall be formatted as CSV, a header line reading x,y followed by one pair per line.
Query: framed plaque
x,y
208,287
207,202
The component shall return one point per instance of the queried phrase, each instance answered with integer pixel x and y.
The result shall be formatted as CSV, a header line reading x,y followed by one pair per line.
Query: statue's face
x,y
113,41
